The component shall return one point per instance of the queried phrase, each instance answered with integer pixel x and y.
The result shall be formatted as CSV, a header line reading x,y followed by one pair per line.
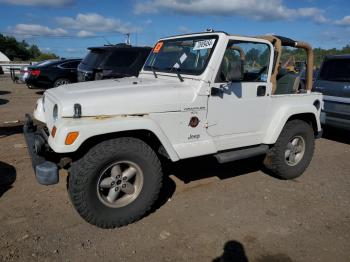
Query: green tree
x,y
34,51
16,50
45,56
319,54
252,55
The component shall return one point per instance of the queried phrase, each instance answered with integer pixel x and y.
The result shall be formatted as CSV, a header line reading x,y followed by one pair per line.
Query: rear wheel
x,y
116,182
293,151
61,81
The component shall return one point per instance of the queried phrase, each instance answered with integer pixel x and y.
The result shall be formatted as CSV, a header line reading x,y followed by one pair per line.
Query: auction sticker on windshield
x,y
204,44
157,47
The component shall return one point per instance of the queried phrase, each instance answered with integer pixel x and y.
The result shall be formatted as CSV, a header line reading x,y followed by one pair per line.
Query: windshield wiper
x,y
154,71
176,71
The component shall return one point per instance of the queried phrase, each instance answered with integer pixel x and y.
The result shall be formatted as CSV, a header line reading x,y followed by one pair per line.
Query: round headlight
x,y
55,112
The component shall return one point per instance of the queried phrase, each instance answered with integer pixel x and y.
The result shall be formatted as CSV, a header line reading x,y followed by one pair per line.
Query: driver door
x,y
237,111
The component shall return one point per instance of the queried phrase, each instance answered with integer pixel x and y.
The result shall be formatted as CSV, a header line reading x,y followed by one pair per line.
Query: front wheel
x,y
116,182
30,86
293,151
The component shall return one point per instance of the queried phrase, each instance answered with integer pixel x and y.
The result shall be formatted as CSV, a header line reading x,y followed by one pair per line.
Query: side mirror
x,y
236,71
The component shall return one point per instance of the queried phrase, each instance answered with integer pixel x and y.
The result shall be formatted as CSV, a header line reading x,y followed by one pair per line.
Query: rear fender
x,y
284,114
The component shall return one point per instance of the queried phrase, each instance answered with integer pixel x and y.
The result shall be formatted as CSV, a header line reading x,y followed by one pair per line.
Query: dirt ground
x,y
207,211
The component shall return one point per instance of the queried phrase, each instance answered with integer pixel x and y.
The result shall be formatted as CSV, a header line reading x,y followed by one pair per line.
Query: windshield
x,y
94,58
186,55
336,70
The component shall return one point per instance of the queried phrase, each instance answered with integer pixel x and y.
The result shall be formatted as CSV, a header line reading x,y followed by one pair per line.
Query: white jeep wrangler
x,y
199,94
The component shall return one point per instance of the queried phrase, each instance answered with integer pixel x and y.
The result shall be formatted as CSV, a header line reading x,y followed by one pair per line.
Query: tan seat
x,y
287,84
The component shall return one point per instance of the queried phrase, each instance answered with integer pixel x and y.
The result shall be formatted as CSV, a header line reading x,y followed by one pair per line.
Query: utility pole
x,y
127,41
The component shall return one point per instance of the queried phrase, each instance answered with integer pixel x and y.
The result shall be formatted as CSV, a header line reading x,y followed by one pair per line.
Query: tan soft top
x,y
278,42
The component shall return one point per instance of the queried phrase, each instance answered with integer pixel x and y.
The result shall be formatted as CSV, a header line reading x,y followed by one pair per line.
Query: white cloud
x,y
52,3
184,30
84,33
36,30
345,21
71,50
315,14
92,23
255,9
148,22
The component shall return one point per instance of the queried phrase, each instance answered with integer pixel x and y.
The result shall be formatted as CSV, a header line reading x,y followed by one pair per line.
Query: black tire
x,y
275,160
85,175
61,81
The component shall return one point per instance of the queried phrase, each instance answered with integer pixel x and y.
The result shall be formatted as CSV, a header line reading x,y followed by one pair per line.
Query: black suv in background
x,y
334,82
114,61
52,73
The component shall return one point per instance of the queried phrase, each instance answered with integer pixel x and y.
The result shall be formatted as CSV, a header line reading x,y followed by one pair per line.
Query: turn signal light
x,y
71,137
53,131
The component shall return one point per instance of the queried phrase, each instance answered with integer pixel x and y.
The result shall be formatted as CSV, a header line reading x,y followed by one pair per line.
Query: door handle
x,y
261,91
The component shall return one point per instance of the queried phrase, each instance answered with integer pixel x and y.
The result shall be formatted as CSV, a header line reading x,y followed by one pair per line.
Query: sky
x,y
68,27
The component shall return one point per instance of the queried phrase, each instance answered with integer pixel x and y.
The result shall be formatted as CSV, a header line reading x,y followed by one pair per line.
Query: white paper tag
x,y
204,44
183,58
176,65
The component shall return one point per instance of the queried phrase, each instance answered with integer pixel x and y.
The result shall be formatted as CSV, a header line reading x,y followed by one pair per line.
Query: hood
x,y
123,96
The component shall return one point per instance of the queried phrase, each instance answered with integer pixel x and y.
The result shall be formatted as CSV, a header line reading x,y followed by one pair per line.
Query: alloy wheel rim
x,y
62,82
119,184
295,151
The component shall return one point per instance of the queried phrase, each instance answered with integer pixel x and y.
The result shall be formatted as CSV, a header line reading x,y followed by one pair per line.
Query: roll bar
x,y
278,42
240,51
309,62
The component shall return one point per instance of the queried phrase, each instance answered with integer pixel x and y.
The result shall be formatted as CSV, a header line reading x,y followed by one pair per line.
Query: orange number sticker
x,y
157,47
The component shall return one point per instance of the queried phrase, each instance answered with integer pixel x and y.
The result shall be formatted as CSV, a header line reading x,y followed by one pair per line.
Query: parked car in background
x,y
115,61
24,73
334,82
303,75
52,73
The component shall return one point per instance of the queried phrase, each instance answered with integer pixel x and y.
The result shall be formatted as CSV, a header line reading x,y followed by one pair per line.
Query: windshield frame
x,y
183,72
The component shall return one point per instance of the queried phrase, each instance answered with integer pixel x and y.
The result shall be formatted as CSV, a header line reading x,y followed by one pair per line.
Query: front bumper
x,y
46,172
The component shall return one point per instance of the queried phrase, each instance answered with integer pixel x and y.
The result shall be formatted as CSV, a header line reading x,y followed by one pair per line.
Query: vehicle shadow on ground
x,y
168,189
233,252
11,130
338,135
205,167
4,93
200,168
3,101
8,176
40,92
